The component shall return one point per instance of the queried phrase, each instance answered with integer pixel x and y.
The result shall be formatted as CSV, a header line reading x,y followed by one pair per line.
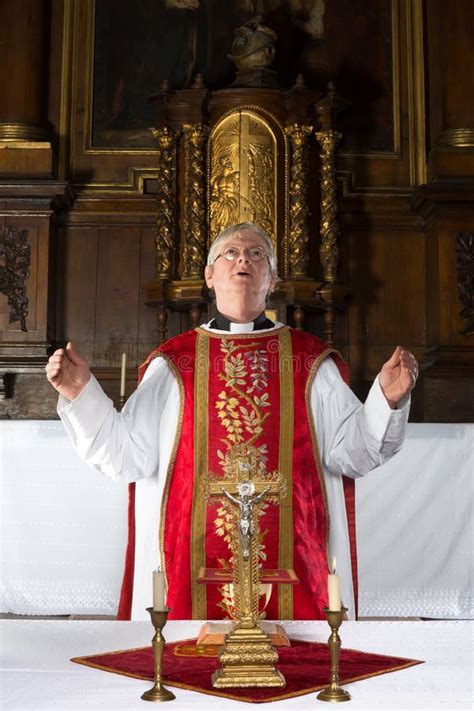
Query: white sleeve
x,y
123,445
354,438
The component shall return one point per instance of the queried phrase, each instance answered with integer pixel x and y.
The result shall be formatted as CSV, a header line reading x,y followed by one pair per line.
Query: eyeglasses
x,y
255,254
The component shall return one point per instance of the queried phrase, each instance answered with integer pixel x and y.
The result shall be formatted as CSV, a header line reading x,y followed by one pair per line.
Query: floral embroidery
x,y
223,524
242,409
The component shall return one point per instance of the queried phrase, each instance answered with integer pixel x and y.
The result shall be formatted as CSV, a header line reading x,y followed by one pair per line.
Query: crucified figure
x,y
246,503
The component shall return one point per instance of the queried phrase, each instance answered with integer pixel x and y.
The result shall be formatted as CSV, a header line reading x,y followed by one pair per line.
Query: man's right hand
x,y
68,372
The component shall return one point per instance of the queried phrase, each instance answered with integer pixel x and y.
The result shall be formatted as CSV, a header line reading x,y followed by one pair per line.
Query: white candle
x,y
123,372
158,590
334,591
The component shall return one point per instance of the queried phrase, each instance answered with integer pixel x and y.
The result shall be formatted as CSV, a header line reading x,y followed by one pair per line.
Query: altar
x,y
63,527
38,673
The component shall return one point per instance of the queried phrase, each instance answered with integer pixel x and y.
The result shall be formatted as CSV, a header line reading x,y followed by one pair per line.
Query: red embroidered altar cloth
x,y
305,666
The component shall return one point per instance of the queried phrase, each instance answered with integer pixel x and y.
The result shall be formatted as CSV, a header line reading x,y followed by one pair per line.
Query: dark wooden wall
x,y
90,214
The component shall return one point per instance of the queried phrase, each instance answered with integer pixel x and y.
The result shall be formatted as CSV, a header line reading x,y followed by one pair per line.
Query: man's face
x,y
241,278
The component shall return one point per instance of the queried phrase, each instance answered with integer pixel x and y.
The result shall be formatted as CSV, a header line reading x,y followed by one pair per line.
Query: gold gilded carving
x,y
194,202
239,654
248,659
299,179
242,156
328,251
166,201
225,184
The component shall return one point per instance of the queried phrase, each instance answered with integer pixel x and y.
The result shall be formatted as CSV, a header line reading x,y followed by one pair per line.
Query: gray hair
x,y
234,230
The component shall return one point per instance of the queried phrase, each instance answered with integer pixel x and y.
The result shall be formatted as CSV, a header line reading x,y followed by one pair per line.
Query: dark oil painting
x,y
140,44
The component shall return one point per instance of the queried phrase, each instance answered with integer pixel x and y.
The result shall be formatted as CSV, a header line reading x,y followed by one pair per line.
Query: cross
x,y
244,494
239,466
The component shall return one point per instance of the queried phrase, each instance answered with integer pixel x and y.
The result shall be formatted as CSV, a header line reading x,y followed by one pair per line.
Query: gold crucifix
x,y
248,657
243,490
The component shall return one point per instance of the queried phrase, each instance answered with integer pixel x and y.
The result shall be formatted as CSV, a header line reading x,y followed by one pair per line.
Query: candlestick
x,y
158,590
334,692
158,692
123,372
334,589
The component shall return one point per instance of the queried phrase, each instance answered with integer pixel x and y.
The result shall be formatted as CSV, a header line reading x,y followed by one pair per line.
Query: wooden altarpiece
x,y
250,152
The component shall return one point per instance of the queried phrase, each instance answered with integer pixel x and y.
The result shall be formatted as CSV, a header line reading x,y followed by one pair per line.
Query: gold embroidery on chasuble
x,y
243,404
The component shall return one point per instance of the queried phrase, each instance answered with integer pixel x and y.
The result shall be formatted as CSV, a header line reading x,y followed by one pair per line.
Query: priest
x,y
239,386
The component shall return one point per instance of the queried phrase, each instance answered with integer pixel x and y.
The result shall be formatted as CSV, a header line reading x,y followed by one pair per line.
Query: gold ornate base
x,y
334,694
248,659
158,693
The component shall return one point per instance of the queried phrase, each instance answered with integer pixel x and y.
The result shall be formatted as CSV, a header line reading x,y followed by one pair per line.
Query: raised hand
x,y
398,376
68,372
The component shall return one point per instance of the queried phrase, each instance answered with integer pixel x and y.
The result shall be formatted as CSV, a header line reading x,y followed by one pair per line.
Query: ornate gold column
x,y
328,250
166,202
298,238
194,242
24,30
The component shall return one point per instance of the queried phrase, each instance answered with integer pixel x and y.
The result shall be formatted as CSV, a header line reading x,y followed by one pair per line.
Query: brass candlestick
x,y
158,692
333,692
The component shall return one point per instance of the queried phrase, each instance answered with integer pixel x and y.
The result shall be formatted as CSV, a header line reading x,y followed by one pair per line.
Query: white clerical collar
x,y
222,323
241,327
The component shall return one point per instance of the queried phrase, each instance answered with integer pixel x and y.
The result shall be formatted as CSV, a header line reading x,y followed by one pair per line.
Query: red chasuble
x,y
249,391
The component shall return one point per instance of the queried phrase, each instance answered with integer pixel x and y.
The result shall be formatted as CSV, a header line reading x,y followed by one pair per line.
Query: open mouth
x,y
243,273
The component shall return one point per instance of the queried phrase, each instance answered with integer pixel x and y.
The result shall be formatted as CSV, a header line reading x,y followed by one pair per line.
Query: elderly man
x,y
239,386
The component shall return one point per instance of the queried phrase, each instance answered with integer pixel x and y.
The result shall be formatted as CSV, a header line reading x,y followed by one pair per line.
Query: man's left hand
x,y
398,376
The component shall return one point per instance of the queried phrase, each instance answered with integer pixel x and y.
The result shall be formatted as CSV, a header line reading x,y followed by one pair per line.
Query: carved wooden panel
x,y
452,325
387,273
465,274
34,284
15,258
102,303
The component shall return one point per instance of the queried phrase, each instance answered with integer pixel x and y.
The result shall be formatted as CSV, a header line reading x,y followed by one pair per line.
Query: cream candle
x,y
123,372
158,590
334,590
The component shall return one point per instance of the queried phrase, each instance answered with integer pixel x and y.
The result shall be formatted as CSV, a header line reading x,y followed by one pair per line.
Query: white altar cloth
x,y
39,676
415,527
63,526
